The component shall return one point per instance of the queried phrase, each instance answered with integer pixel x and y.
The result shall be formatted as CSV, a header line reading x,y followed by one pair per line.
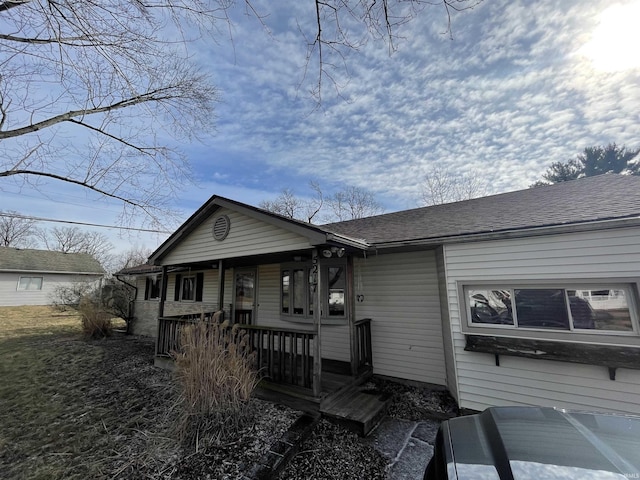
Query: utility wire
x,y
70,222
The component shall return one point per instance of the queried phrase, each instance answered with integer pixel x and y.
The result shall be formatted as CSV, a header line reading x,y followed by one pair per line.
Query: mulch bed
x,y
333,452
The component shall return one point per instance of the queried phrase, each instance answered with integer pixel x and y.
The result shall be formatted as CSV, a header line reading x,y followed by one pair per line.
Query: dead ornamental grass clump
x,y
96,323
214,368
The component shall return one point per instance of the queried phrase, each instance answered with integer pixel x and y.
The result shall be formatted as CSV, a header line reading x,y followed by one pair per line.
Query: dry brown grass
x,y
36,320
215,371
74,409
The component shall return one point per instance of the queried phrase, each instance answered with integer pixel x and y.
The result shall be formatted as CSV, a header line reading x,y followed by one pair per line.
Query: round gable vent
x,y
221,227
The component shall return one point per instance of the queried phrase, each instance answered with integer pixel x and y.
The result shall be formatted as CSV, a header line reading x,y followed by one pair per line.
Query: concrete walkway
x,y
409,445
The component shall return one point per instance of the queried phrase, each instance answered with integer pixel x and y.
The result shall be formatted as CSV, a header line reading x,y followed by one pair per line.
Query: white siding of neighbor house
x,y
247,236
10,296
521,381
334,338
401,296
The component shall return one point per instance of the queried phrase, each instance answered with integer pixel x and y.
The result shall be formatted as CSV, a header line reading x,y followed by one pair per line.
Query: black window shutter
x,y
199,285
176,296
147,288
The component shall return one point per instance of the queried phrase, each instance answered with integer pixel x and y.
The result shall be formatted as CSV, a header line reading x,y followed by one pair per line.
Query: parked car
x,y
537,443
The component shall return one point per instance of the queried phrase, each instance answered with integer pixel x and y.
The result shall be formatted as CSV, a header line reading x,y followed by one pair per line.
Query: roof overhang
x,y
315,234
594,225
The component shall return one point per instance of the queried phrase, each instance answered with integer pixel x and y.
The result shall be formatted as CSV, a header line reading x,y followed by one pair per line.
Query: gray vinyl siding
x,y
247,236
209,295
401,296
145,311
10,296
606,254
452,381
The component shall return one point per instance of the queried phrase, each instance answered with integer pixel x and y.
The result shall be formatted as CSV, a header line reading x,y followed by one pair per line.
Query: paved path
x,y
409,445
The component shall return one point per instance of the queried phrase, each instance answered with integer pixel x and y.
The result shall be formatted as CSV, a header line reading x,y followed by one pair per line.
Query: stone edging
x,y
282,451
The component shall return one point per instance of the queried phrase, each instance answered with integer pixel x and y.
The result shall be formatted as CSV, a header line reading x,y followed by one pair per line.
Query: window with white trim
x,y
30,283
583,308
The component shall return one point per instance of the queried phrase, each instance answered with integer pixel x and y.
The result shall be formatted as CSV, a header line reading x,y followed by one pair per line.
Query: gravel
x,y
333,452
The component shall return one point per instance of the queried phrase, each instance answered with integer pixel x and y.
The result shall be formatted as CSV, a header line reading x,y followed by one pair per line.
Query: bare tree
x,y
440,186
106,82
90,91
75,240
16,231
347,204
342,27
285,204
353,202
136,255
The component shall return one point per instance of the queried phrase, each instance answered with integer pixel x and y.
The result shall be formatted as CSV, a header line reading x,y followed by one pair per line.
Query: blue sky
x,y
519,85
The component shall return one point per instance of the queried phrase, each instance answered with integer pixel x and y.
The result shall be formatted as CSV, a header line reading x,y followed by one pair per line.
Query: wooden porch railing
x,y
363,353
282,355
168,339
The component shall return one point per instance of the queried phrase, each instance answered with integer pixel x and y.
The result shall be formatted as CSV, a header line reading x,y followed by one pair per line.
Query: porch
x,y
294,374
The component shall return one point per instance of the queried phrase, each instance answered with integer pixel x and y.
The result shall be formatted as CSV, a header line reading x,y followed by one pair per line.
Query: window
x,y
336,284
189,287
152,288
30,283
567,308
296,296
298,293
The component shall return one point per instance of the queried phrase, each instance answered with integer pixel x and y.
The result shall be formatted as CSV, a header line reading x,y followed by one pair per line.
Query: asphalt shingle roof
x,y
602,197
28,260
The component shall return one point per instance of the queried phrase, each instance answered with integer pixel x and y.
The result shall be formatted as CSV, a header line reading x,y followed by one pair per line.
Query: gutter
x,y
351,242
131,302
15,270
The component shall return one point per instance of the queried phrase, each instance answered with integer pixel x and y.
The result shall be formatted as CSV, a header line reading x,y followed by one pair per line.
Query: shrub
x,y
215,372
96,323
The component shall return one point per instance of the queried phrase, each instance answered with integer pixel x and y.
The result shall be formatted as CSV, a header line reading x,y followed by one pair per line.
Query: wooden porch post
x,y
350,300
318,304
163,290
221,285
163,298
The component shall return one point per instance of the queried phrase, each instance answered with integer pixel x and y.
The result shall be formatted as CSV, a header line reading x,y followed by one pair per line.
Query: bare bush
x,y
96,323
216,376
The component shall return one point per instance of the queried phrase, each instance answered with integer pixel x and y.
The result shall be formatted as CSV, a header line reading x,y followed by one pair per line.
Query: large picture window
x,y
605,308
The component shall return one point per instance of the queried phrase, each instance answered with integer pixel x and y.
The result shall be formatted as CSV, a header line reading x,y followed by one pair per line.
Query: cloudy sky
x,y
515,86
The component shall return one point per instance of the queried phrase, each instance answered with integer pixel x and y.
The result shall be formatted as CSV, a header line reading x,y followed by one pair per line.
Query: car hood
x,y
544,443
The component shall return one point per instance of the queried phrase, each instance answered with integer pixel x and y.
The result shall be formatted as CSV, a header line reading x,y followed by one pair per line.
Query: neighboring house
x,y
522,298
31,277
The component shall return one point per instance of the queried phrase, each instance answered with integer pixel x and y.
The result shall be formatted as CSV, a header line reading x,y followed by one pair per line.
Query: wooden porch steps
x,y
356,407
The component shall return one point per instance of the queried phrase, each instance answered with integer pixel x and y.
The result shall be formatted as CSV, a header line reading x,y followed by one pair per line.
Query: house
x,y
31,277
499,299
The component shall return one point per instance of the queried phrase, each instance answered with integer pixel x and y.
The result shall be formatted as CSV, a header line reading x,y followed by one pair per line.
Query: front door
x,y
245,297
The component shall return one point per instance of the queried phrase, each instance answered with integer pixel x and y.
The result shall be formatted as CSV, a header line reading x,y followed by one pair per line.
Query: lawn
x,y
77,409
